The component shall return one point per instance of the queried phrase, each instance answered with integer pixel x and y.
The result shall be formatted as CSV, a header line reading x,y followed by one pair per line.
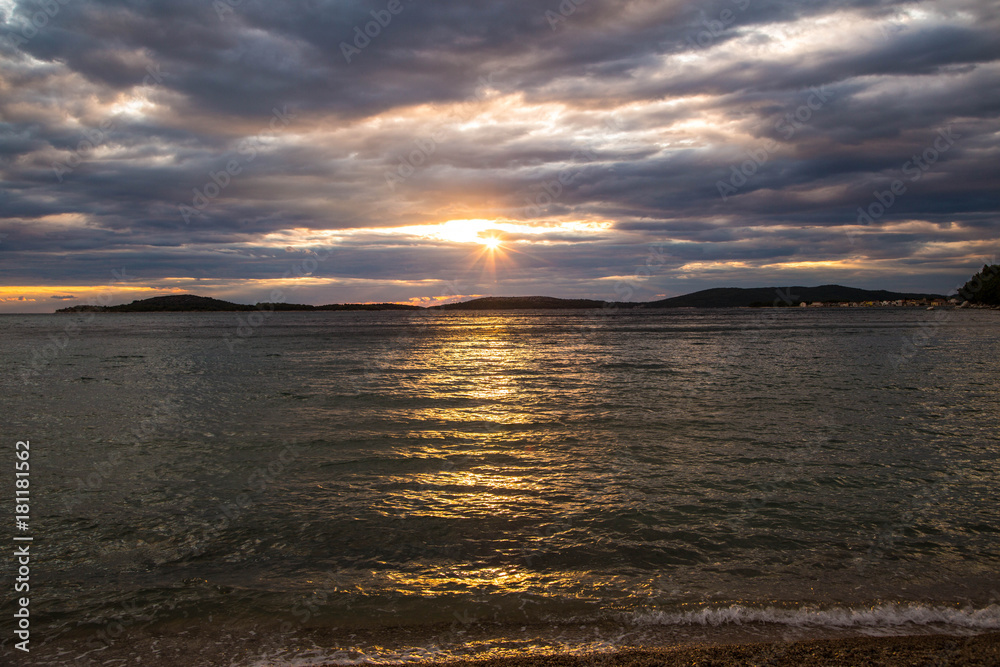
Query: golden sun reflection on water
x,y
472,479
476,425
474,489
479,363
461,494
506,578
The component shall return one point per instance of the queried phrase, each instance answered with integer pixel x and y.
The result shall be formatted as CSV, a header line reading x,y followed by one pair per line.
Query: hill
x,y
985,287
186,303
163,304
739,297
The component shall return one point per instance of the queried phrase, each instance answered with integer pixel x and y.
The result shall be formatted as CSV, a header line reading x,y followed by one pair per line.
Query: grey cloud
x,y
222,77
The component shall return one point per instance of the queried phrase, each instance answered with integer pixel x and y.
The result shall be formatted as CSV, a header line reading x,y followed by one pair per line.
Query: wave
x,y
887,615
648,629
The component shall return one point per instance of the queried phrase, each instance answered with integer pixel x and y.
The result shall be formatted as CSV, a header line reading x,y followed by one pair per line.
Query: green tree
x,y
984,287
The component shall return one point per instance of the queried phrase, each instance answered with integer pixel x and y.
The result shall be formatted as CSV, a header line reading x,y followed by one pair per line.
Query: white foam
x,y
888,618
890,615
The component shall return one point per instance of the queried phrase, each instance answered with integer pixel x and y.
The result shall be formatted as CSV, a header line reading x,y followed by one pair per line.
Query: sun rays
x,y
492,243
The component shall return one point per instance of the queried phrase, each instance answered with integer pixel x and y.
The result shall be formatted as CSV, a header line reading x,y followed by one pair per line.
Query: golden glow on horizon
x,y
79,292
47,298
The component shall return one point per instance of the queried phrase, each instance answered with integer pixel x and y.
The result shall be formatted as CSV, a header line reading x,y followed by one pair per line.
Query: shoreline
x,y
892,651
187,646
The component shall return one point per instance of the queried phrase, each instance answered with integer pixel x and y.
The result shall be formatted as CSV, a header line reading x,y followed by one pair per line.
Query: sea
x,y
279,489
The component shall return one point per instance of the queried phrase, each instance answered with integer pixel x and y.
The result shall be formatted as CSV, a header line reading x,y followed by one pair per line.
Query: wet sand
x,y
187,646
916,651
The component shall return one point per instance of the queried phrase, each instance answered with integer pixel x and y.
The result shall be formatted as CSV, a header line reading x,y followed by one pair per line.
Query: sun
x,y
491,242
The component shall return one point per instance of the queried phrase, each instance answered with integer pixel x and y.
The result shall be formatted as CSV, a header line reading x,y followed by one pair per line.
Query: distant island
x,y
191,303
737,297
718,297
982,290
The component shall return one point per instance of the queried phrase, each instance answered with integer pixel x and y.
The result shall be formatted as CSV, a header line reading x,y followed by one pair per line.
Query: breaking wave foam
x,y
877,616
647,628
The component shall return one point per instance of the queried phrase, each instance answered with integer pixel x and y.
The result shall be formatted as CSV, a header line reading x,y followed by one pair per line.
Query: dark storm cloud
x,y
733,131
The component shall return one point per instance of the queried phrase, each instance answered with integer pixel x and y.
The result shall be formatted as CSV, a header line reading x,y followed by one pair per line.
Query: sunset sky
x,y
423,150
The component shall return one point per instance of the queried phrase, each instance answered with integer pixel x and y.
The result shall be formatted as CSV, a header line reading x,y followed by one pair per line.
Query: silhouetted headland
x,y
982,290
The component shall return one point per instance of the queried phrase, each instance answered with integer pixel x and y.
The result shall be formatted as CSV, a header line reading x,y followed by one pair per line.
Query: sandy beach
x,y
922,651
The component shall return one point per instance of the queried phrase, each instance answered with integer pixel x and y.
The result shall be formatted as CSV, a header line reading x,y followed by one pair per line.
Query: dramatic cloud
x,y
373,151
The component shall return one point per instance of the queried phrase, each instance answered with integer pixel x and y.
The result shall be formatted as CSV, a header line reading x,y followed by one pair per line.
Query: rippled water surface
x,y
373,485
